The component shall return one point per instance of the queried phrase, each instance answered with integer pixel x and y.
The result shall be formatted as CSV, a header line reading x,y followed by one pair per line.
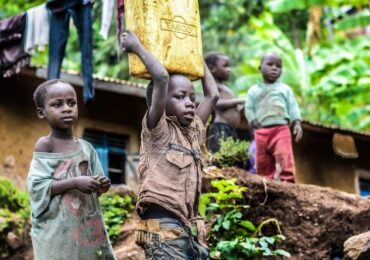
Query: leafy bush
x,y
232,153
232,236
14,212
116,210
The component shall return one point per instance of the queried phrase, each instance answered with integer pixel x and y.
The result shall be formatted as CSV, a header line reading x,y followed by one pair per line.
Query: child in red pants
x,y
270,108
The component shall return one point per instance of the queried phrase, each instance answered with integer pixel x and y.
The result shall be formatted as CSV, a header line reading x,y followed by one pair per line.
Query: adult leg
x,y
283,153
82,18
58,36
265,161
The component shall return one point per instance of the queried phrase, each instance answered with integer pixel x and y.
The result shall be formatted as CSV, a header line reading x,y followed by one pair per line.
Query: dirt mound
x,y
315,220
125,247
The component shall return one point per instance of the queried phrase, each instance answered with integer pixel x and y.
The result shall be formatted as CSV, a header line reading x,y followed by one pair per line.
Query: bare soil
x,y
315,220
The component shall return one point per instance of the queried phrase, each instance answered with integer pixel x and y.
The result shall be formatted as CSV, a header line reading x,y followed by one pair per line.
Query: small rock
x,y
9,162
357,247
13,241
122,190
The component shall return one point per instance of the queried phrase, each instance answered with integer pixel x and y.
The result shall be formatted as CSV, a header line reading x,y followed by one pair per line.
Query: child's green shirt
x,y
70,225
271,104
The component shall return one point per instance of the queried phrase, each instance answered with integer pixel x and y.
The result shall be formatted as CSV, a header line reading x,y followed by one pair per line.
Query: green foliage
x,y
14,210
285,6
232,153
232,236
16,7
116,210
338,72
10,197
359,20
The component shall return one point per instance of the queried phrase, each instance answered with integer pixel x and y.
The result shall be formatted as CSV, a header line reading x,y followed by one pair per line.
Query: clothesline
x,y
31,29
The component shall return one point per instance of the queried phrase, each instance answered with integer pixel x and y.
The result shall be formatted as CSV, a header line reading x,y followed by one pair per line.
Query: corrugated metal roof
x,y
128,87
96,77
103,83
334,128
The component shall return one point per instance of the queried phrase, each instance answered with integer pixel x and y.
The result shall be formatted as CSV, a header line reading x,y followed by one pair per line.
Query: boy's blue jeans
x,y
168,238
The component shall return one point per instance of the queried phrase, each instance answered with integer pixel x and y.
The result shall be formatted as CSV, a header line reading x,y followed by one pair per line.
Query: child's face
x,y
181,99
271,67
60,106
222,70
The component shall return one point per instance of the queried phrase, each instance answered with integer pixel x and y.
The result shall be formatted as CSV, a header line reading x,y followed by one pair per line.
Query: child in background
x,y
170,166
252,156
227,116
64,182
270,108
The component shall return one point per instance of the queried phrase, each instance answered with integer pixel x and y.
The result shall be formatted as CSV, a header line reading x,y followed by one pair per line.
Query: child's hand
x,y
86,184
297,131
255,124
104,184
129,41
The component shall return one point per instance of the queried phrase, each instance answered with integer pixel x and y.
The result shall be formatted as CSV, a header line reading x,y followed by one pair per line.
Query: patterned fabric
x,y
274,147
12,55
170,167
70,225
271,104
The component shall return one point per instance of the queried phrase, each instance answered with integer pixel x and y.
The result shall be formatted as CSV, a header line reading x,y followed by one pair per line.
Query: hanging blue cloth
x,y
103,157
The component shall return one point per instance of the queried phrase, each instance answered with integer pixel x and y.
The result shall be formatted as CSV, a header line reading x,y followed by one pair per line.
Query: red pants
x,y
274,146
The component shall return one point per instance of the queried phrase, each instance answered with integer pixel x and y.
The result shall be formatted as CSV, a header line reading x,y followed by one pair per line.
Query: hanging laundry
x,y
120,11
62,5
12,55
106,17
37,29
81,13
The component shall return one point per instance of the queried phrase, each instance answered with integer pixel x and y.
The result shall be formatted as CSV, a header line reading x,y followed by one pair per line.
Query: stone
x,y
357,247
13,241
122,190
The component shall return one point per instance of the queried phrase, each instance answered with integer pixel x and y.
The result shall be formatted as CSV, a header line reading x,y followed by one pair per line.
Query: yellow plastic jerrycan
x,y
170,30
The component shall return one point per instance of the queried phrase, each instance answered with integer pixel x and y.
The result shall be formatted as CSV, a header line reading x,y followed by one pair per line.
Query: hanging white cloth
x,y
37,29
106,17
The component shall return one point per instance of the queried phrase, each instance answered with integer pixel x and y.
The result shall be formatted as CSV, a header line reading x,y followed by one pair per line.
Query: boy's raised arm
x,y
211,95
159,75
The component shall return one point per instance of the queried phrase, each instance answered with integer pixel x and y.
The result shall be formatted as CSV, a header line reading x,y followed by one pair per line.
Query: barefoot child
x,y
227,116
170,164
64,183
270,108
